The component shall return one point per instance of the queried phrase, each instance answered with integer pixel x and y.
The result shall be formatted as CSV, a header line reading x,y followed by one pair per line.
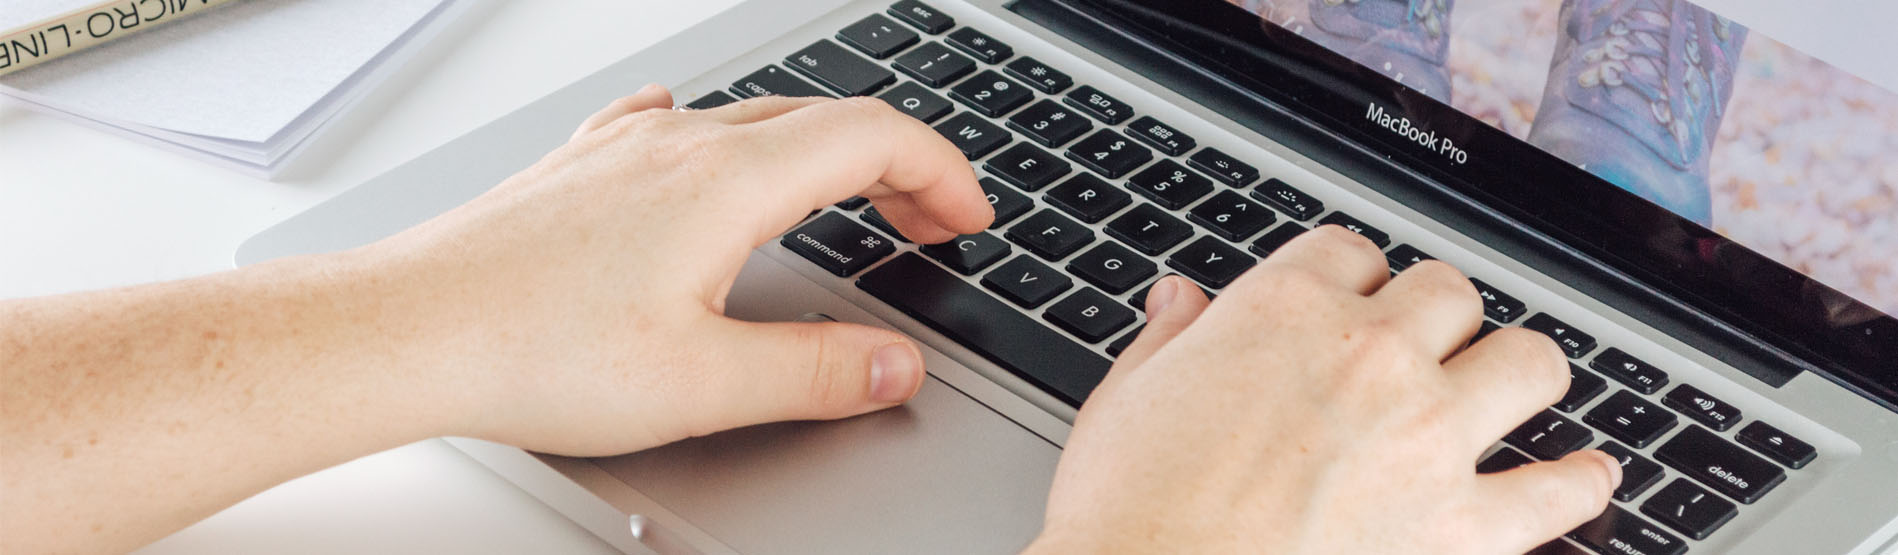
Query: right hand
x,y
1319,407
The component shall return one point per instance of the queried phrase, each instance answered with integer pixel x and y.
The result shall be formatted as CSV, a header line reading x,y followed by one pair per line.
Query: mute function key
x,y
838,245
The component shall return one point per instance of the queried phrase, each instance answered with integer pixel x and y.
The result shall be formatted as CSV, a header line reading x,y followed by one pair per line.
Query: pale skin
x,y
589,289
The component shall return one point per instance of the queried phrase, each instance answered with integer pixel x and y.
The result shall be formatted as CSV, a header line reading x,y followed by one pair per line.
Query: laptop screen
x,y
1707,158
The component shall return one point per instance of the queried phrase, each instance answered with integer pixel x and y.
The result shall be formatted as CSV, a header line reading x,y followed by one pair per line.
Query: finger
x,y
769,372
1336,254
1436,305
757,109
1173,304
1524,507
1503,380
910,219
648,97
830,151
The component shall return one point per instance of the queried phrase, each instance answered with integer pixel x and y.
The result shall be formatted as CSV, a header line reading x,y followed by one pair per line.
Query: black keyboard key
x,y
852,203
1503,459
1139,299
838,245
980,45
1112,267
976,320
774,81
1637,472
1211,262
1027,282
1126,340
1572,340
1688,509
934,64
991,94
1631,419
1089,315
832,66
1292,202
1720,464
1557,547
1149,229
1484,330
1008,204
969,254
1618,531
1549,436
1099,105
876,220
1403,256
1224,167
1776,445
1231,216
1050,235
1583,386
1624,368
1046,122
1087,197
1344,220
974,136
1170,185
922,16
877,36
1109,154
1276,238
1497,305
712,100
917,102
1027,167
1698,405
1161,136
1039,75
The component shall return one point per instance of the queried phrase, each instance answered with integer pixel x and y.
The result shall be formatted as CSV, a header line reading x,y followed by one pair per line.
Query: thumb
x,y
813,371
1173,304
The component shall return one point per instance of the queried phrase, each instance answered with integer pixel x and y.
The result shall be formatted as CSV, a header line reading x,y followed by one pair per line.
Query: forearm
x,y
131,413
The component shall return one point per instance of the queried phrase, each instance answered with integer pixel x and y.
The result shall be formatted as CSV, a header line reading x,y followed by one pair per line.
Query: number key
x,y
1046,122
991,94
1109,153
934,64
1231,216
1170,185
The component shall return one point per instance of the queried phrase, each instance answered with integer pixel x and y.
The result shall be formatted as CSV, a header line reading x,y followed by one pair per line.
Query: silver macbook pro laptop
x,y
1703,217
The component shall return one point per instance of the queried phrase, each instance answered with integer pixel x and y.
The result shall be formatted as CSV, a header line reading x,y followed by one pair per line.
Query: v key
x,y
1026,281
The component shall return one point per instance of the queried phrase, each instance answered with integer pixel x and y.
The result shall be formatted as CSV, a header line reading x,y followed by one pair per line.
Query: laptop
x,y
1701,216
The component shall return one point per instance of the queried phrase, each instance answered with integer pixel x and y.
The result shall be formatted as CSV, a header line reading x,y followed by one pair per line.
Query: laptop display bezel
x,y
1716,276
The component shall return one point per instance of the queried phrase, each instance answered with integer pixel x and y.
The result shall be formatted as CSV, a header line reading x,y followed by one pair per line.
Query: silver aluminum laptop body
x,y
964,467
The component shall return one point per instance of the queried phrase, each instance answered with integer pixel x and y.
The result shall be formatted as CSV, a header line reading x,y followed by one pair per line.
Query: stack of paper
x,y
245,84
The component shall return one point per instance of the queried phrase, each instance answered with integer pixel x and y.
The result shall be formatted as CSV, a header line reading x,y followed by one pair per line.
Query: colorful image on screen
x,y
1783,153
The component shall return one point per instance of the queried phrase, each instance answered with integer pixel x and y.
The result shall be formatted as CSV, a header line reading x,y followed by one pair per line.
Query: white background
x,y
80,210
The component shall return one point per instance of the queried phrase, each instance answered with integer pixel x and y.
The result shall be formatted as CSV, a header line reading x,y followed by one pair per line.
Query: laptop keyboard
x,y
1042,291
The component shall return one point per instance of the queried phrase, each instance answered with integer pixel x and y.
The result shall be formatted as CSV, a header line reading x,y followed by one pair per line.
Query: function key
x,y
971,134
977,44
1046,122
1008,204
934,64
1344,220
1583,386
1483,330
1549,436
1149,229
1099,105
1689,509
1050,235
1170,185
1619,531
1109,154
1404,256
969,254
838,245
1721,465
834,67
1777,445
1626,369
1039,75
1700,406
1161,136
1572,341
772,81
1231,216
1276,238
1211,262
1089,315
918,102
1112,267
922,16
1293,202
1503,459
1026,282
1228,169
1087,198
1497,305
877,36
711,100
991,94
1637,472
1631,419
1027,167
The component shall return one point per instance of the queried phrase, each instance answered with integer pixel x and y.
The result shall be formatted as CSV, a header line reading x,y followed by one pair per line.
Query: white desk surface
x,y
81,209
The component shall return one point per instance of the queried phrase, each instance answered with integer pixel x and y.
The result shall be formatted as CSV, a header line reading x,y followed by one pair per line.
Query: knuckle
x,y
1336,236
1541,363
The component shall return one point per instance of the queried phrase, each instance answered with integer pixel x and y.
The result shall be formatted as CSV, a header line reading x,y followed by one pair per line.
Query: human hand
x,y
586,292
1319,407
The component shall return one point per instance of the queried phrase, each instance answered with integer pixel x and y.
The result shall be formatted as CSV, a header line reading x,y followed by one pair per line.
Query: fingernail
x,y
895,370
1163,294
